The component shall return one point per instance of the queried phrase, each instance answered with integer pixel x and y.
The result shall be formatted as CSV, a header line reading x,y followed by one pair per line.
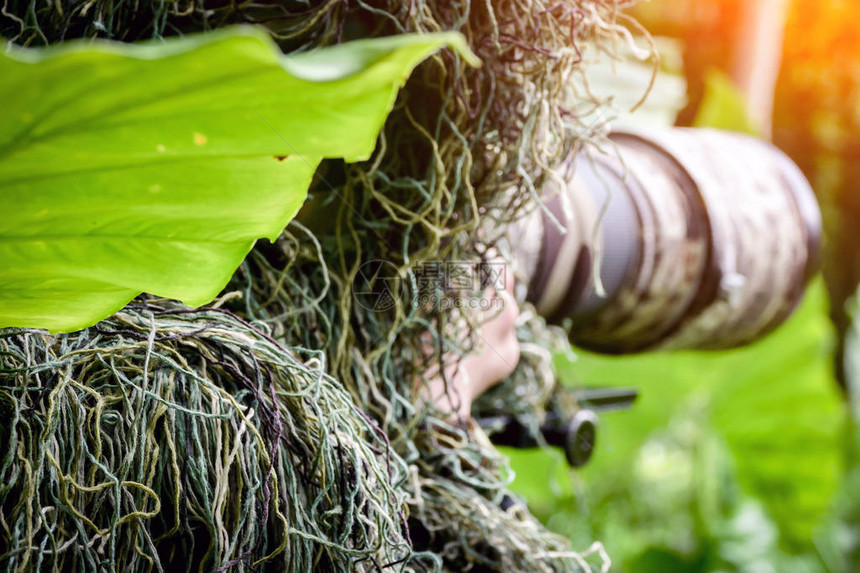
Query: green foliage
x,y
154,167
728,461
842,546
723,106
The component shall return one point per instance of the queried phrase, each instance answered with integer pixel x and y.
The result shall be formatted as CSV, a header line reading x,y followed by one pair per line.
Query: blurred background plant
x,y
744,460
728,461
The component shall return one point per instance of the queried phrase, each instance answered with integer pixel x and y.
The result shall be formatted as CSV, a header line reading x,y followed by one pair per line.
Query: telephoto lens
x,y
675,238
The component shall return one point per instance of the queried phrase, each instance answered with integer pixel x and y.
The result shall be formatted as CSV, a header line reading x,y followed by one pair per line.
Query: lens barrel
x,y
700,238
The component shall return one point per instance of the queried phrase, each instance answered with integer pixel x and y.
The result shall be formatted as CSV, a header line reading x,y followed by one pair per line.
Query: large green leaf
x,y
154,167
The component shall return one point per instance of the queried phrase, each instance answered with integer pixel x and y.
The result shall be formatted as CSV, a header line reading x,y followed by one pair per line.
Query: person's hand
x,y
496,355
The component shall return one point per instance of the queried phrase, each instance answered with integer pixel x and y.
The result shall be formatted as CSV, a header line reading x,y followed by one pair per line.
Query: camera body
x,y
672,239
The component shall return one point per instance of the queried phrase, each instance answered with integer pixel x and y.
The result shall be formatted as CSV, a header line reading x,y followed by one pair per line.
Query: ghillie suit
x,y
280,427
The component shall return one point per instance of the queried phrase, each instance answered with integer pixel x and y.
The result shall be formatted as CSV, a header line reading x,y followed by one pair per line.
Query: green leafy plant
x,y
727,460
723,106
154,167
